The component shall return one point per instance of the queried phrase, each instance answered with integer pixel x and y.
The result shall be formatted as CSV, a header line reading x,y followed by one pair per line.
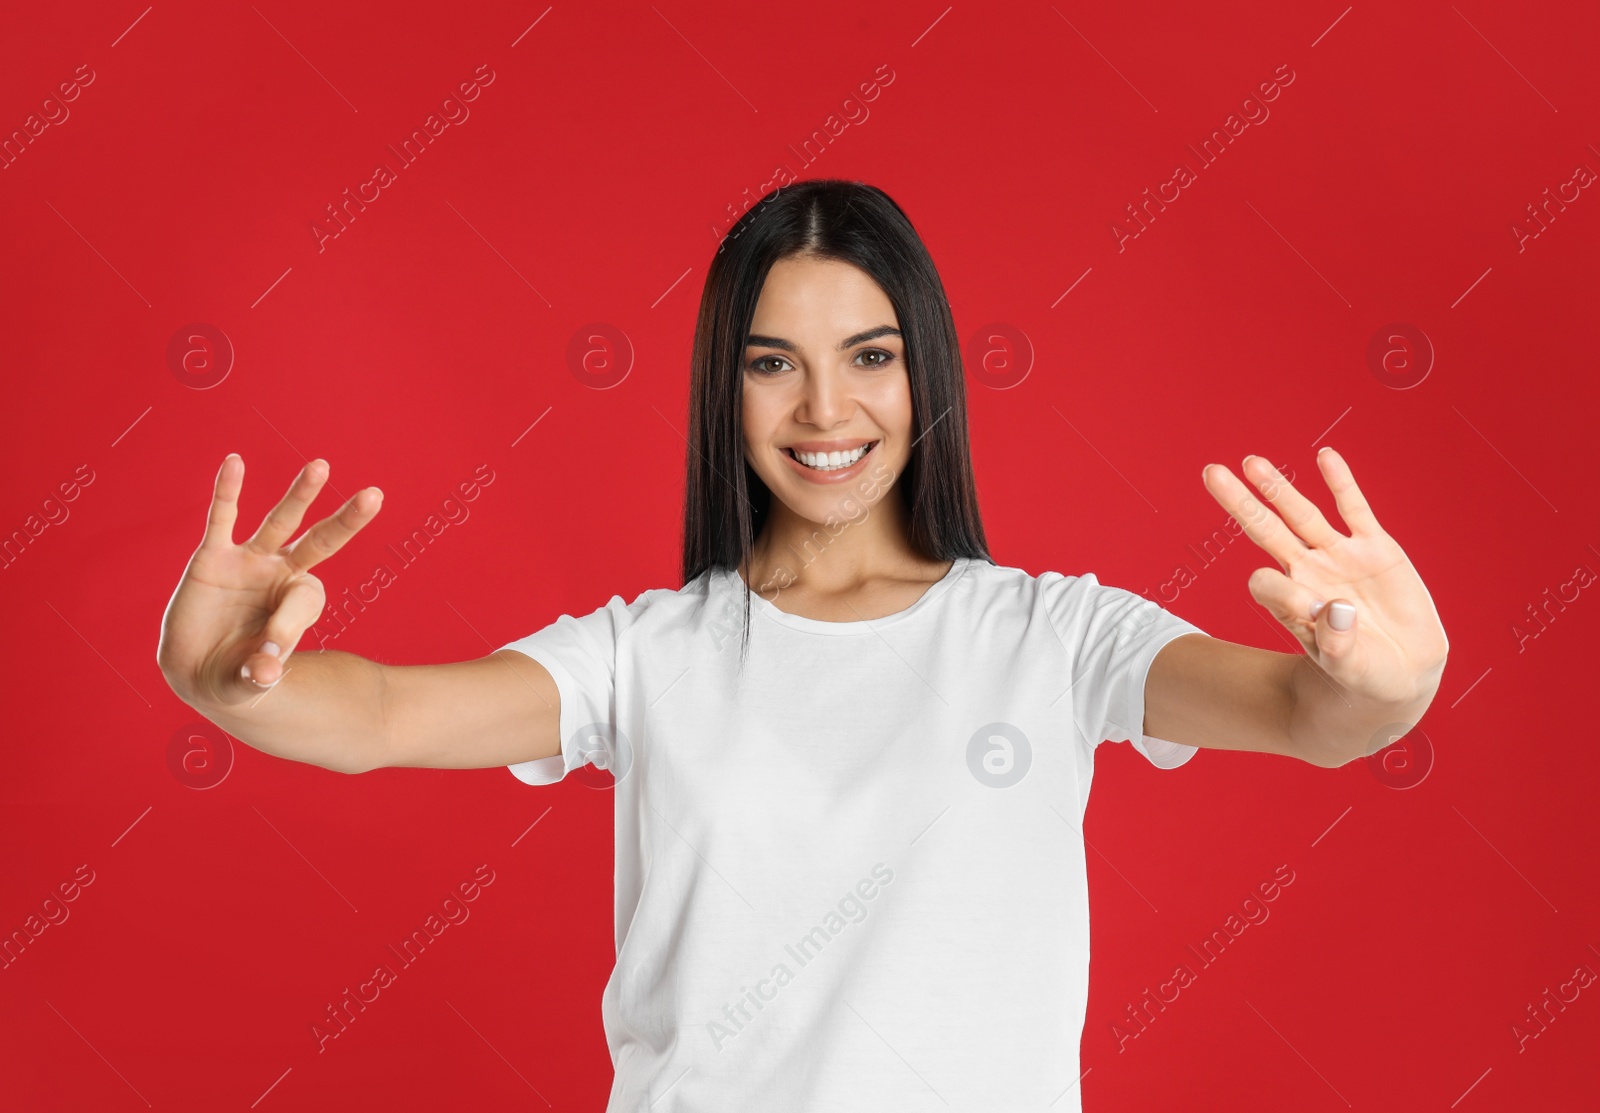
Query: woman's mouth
x,y
830,465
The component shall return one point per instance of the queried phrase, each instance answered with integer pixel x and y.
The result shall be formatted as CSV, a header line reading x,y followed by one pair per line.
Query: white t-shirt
x,y
854,879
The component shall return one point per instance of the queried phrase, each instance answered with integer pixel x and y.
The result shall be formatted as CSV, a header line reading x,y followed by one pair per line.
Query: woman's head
x,y
826,410
812,266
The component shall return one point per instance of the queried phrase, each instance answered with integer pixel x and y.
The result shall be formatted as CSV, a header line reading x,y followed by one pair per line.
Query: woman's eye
x,y
762,364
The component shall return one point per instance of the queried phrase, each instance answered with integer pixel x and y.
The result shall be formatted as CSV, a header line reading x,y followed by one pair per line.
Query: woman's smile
x,y
828,461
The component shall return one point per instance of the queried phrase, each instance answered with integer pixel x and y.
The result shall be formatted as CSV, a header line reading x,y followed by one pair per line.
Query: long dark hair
x,y
725,501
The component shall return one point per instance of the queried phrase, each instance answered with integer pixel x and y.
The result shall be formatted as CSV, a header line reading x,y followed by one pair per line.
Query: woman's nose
x,y
827,398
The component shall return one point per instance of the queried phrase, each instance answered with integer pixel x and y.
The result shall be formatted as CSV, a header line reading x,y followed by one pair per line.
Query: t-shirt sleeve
x,y
580,653
1112,635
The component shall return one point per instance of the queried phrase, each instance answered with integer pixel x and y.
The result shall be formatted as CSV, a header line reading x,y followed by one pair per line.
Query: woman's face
x,y
825,373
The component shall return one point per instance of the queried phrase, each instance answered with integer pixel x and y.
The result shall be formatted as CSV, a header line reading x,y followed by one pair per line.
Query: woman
x,y
852,753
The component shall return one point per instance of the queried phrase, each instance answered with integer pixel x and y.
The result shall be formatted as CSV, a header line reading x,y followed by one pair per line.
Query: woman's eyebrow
x,y
758,341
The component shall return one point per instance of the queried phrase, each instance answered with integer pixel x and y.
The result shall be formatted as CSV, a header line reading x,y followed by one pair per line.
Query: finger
x,y
282,520
224,502
1260,524
328,536
1298,511
1347,496
300,607
1291,603
1332,641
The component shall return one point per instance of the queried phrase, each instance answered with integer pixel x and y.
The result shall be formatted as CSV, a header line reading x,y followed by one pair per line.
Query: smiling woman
x,y
817,417
825,329
906,703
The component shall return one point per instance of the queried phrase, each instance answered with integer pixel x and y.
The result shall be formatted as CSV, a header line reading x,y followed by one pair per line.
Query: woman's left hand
x,y
1393,648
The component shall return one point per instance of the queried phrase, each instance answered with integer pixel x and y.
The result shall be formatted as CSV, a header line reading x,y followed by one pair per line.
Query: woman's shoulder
x,y
1005,577
672,600
1064,595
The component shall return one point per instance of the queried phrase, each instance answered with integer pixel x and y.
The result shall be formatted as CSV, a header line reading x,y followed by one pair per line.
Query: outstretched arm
x,y
239,611
1374,647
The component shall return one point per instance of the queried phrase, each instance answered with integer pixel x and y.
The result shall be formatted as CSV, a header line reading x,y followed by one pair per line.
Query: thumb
x,y
1335,627
299,609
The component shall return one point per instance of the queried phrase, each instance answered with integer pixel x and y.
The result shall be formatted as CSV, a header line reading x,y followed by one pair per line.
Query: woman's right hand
x,y
239,610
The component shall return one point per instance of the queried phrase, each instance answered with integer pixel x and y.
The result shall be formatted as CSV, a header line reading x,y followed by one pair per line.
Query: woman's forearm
x,y
327,710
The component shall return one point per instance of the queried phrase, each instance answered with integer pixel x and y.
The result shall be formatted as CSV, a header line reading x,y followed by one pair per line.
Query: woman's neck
x,y
840,558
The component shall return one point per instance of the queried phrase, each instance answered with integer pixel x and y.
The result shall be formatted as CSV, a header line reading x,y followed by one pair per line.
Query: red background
x,y
590,184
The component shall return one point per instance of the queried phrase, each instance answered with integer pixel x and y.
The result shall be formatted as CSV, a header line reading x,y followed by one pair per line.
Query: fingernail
x,y
244,671
270,648
1342,616
1316,607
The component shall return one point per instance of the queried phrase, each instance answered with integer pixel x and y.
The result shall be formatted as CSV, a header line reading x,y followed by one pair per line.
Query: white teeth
x,y
831,461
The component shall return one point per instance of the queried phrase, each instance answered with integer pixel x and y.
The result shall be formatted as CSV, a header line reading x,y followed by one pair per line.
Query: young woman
x,y
851,753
